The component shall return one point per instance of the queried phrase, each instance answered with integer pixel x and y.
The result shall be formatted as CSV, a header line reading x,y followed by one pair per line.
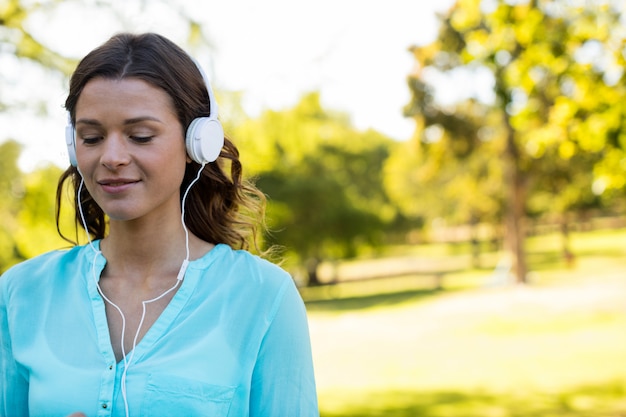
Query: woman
x,y
163,312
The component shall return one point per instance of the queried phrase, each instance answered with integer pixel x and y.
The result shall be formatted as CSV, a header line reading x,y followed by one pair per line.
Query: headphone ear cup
x,y
204,139
70,141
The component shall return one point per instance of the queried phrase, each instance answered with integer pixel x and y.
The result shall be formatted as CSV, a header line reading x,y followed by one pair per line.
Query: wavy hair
x,y
222,207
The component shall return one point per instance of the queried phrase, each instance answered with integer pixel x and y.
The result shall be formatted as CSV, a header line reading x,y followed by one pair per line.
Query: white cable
x,y
179,278
182,214
95,279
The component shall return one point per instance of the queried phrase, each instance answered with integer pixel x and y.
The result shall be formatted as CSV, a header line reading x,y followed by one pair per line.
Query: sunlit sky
x,y
353,51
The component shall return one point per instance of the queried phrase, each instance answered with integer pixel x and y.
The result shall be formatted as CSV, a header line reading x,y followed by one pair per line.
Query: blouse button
x,y
104,406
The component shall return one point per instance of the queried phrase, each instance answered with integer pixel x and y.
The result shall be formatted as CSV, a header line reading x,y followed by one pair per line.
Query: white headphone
x,y
204,137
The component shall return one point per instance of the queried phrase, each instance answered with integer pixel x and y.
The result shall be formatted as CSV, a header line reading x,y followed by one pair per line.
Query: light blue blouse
x,y
233,341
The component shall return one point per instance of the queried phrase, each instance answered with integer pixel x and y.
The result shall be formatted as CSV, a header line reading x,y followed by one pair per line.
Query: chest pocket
x,y
174,396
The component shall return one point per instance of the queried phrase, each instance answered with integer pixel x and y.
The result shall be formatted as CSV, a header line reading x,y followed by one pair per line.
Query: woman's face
x,y
130,148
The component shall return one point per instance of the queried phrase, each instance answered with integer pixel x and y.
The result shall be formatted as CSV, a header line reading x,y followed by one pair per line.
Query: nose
x,y
114,152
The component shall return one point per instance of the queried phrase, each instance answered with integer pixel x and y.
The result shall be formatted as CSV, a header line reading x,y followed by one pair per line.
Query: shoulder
x,y
45,267
250,268
252,278
256,286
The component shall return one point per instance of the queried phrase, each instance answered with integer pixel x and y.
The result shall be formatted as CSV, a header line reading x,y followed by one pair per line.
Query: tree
x,y
551,102
37,231
437,175
564,191
26,45
27,211
323,180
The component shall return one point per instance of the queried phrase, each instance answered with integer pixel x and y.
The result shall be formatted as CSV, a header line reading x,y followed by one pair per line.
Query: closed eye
x,y
91,140
141,139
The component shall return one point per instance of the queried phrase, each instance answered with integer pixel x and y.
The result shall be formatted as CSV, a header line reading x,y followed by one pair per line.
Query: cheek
x,y
85,162
175,163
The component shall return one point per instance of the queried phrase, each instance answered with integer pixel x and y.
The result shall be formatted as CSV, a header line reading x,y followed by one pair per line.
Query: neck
x,y
132,246
149,250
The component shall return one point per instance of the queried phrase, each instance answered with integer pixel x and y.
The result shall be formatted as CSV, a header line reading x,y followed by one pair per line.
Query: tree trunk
x,y
311,270
475,241
568,255
515,184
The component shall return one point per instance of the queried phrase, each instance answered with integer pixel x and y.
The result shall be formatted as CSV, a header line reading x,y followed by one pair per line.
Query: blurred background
x,y
447,181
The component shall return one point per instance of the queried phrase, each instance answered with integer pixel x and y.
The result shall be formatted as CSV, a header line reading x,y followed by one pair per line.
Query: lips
x,y
116,185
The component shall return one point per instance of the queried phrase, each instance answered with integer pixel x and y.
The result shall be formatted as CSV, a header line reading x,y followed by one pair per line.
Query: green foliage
x,y
27,222
594,400
556,124
323,179
37,232
443,175
22,43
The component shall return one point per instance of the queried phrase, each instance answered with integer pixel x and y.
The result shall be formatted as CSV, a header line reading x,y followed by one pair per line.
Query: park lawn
x,y
556,347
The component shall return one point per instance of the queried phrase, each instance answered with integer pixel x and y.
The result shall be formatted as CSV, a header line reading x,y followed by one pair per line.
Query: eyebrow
x,y
134,120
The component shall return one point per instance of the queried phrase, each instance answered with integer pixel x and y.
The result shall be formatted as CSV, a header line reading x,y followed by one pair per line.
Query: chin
x,y
121,215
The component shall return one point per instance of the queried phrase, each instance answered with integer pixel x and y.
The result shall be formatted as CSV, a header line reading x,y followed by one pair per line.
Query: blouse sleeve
x,y
283,381
13,386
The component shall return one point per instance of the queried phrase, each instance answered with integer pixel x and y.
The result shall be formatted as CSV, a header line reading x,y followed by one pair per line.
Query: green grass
x,y
596,400
556,347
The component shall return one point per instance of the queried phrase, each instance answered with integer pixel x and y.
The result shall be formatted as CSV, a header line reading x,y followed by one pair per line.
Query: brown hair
x,y
222,207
